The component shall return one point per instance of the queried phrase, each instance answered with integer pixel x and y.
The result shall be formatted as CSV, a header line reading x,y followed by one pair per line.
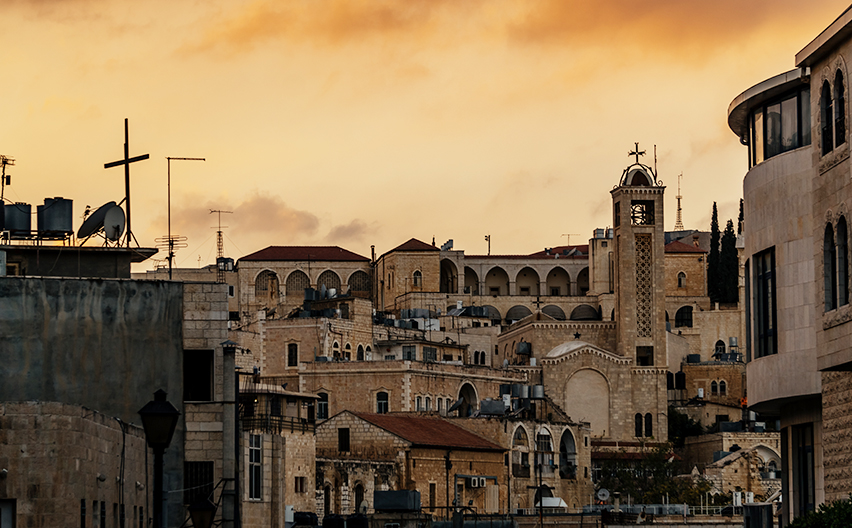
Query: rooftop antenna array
x,y
220,246
678,220
4,179
172,241
568,237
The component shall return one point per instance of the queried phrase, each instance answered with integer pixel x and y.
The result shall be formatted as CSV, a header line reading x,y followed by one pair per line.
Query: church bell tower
x,y
640,299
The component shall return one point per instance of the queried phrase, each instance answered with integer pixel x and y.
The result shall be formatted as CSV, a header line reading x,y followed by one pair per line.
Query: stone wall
x,y
64,462
837,434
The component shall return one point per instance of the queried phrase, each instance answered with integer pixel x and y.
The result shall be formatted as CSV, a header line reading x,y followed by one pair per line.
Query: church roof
x,y
313,253
428,431
567,348
679,247
415,245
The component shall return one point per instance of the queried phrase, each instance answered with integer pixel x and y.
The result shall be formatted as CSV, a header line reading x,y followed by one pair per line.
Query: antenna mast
x,y
678,220
220,247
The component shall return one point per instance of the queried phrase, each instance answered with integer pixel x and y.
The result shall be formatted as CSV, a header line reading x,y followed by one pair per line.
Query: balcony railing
x,y
275,424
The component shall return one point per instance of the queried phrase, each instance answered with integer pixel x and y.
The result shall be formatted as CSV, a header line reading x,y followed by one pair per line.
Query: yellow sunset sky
x,y
359,123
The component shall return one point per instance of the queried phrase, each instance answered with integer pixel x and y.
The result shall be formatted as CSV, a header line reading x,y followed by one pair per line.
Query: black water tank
x,y
357,520
333,521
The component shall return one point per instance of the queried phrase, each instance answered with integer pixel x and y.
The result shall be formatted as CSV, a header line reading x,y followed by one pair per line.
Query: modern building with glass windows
x,y
797,194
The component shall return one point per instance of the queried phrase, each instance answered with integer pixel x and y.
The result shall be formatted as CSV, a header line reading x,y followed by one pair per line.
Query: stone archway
x,y
587,395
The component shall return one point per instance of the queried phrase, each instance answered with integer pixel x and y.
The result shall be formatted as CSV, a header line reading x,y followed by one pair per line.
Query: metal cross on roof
x,y
636,152
126,162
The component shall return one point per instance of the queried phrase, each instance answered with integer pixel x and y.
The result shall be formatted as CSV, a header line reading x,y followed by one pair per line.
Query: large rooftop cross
x,y
636,153
126,162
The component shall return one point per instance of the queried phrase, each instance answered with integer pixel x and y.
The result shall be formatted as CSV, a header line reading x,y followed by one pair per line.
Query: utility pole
x,y
5,180
488,239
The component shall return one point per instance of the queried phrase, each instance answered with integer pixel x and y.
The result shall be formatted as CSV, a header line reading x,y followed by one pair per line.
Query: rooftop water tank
x,y
55,217
18,218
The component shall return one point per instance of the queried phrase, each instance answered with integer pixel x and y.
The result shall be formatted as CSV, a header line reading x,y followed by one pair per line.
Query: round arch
x,y
493,314
558,282
583,281
527,282
567,455
587,394
329,279
296,283
471,281
516,313
496,281
359,281
266,286
449,277
554,311
585,312
467,393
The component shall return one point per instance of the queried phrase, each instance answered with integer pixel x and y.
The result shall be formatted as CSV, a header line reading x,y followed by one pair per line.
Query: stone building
x,y
796,193
359,453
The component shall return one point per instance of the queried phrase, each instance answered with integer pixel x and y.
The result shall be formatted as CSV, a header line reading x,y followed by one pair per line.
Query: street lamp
x,y
159,419
202,513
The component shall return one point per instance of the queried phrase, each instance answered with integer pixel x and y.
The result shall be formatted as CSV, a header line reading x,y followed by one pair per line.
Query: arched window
x,y
842,263
649,425
382,402
638,424
330,280
723,388
428,403
419,405
335,350
360,506
720,347
359,281
839,110
714,388
681,280
266,285
418,279
440,405
683,317
367,352
322,406
347,354
829,268
359,355
827,118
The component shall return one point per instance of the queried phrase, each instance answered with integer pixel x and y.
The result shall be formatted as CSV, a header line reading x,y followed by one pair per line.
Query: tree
x,y
729,266
837,514
740,219
681,426
713,289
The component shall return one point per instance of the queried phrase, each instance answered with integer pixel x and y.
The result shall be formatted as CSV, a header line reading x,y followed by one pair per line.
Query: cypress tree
x,y
713,285
740,219
729,266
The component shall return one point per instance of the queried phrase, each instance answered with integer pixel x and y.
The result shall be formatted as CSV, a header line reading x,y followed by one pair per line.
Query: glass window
x,y
409,352
839,110
842,263
764,302
254,467
758,137
430,354
322,406
789,124
829,274
382,402
827,118
773,130
649,425
683,317
343,439
292,355
637,425
780,126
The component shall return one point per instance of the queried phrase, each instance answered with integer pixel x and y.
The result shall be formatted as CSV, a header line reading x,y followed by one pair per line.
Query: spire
x,y
678,220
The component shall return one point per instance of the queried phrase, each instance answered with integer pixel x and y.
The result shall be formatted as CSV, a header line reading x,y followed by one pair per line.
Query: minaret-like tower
x,y
678,219
640,298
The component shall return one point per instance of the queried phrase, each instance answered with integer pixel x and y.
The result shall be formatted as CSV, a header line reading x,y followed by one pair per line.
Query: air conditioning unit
x,y
482,481
473,482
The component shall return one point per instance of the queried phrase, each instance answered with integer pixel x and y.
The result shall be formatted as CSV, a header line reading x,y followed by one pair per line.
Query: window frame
x,y
255,466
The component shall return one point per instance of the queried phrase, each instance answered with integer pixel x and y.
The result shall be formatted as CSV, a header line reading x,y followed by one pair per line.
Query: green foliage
x,y
837,514
729,266
652,478
713,258
740,219
681,426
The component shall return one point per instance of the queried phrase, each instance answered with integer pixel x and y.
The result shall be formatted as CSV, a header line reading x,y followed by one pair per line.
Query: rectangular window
x,y
343,439
758,137
409,353
322,407
773,130
432,493
82,513
803,467
390,357
300,485
293,355
747,274
197,375
764,303
255,467
617,214
230,291
103,514
554,291
644,356
233,316
494,290
525,290
430,354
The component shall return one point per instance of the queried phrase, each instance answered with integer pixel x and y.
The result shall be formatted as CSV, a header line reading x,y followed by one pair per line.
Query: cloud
x,y
354,231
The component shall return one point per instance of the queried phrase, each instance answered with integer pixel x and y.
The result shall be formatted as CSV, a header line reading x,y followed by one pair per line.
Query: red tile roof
x,y
426,431
314,253
415,245
680,247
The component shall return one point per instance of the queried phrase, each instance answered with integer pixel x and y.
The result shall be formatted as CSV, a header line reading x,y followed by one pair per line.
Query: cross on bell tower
x,y
636,152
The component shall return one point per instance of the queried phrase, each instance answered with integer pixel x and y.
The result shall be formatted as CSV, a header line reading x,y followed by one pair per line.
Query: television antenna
x,y
220,246
678,220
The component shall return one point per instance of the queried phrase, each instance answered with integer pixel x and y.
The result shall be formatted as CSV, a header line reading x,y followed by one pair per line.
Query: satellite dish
x,y
114,223
95,221
603,494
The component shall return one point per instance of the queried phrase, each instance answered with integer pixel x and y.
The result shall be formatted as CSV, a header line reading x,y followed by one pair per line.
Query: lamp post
x,y
202,513
159,419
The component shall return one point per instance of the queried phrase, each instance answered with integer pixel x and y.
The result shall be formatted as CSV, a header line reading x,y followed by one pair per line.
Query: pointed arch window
x,y
649,425
842,245
359,355
829,271
638,424
826,118
723,388
714,388
839,110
